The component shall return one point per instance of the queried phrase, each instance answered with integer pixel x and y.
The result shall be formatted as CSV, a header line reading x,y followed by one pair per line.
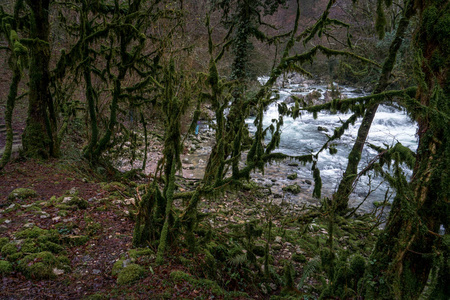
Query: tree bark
x,y
406,251
38,137
341,197
10,102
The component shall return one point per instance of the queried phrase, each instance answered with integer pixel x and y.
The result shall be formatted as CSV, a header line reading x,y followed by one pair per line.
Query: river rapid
x,y
302,136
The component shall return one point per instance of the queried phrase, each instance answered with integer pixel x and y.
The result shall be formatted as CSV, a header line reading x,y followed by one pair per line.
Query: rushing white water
x,y
301,136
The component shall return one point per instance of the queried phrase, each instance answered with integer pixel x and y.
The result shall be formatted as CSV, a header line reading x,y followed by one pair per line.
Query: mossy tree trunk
x,y
411,243
85,30
8,116
39,136
346,185
18,59
173,109
244,20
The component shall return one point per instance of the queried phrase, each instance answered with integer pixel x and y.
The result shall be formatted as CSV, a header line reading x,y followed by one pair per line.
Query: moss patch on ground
x,y
22,193
130,273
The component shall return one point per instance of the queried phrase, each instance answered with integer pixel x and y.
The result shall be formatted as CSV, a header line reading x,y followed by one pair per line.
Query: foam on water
x,y
301,136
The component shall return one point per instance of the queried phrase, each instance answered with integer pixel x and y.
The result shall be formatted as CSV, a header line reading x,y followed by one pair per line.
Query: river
x,y
301,136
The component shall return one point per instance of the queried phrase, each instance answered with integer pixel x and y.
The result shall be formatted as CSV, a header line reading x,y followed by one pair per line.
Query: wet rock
x,y
292,176
323,129
293,188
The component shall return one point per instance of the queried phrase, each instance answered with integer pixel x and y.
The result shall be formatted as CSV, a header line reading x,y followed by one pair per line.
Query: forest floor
x,y
72,239
87,225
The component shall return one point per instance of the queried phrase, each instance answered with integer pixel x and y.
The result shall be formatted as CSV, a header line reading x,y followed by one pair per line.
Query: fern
x,y
312,266
238,260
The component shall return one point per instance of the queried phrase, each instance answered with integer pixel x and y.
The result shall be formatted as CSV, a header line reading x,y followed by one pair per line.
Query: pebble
x,y
66,200
58,272
130,201
28,225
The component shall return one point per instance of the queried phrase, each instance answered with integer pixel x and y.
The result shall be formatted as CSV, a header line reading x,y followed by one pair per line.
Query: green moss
x,y
5,267
3,242
75,240
52,247
41,265
33,208
29,246
292,176
63,213
79,202
22,193
113,186
381,203
9,249
135,253
53,200
30,233
71,202
178,276
49,236
130,273
293,188
300,258
64,207
15,257
93,228
117,267
357,266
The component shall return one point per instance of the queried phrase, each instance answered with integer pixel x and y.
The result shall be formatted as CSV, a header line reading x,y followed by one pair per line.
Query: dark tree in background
x,y
39,135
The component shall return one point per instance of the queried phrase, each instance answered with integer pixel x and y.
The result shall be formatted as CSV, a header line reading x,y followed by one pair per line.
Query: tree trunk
x,y
405,252
38,137
8,115
346,185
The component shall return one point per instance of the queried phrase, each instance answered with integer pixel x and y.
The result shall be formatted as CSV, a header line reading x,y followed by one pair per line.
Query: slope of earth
x,y
66,235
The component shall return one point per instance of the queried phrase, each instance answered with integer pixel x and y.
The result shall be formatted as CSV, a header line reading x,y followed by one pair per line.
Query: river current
x,y
301,136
